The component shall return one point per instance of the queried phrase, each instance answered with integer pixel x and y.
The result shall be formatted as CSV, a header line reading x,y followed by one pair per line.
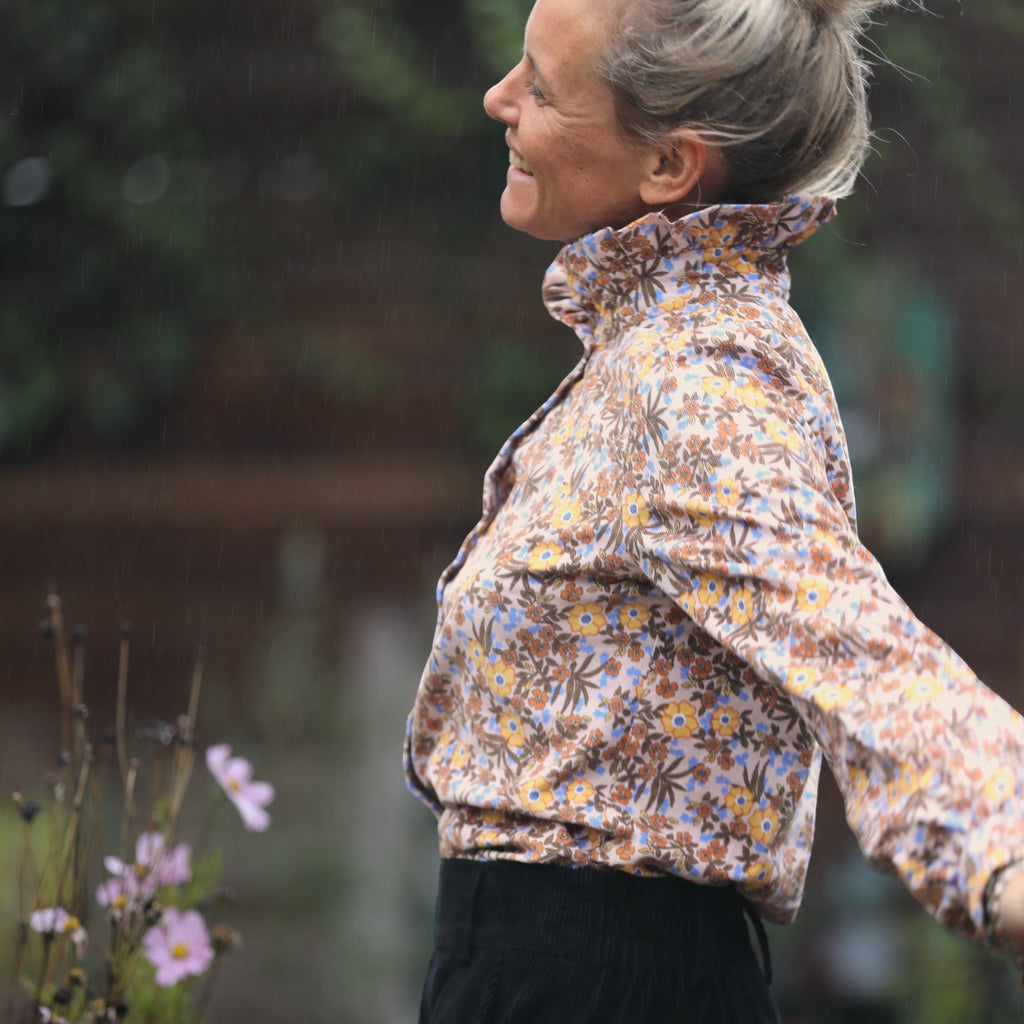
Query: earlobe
x,y
681,169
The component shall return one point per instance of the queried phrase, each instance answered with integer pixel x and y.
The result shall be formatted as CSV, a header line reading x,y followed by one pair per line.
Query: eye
x,y
531,88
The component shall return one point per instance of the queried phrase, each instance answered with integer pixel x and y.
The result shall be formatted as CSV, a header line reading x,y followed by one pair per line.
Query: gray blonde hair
x,y
779,85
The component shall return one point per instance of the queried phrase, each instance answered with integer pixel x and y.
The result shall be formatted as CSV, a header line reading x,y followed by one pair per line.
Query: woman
x,y
664,617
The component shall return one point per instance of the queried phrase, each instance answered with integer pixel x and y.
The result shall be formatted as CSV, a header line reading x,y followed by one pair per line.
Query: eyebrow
x,y
541,80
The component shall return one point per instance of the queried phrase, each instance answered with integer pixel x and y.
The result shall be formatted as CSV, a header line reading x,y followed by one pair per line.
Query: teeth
x,y
518,162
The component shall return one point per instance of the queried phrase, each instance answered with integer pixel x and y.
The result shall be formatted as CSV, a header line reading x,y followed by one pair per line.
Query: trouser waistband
x,y
601,914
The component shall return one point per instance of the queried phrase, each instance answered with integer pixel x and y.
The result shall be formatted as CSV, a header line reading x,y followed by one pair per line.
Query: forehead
x,y
568,35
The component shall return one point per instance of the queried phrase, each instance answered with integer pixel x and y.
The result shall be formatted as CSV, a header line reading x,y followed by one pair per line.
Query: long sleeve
x,y
749,526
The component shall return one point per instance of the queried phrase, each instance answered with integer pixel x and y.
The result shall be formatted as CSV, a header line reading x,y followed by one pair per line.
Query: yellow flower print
x,y
781,433
680,719
501,677
764,824
564,431
759,874
835,696
579,792
700,511
716,385
566,514
711,588
752,396
634,511
460,756
476,652
727,492
812,594
536,795
511,726
725,721
739,800
1001,786
544,556
633,615
490,837
741,606
801,679
924,688
586,619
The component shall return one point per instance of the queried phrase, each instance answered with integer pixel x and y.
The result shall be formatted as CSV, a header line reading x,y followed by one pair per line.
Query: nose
x,y
498,100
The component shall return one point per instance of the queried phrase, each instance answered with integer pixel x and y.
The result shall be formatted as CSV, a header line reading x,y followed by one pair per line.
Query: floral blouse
x,y
665,617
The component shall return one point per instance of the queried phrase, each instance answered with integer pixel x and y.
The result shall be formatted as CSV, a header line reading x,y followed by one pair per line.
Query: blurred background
x,y
261,330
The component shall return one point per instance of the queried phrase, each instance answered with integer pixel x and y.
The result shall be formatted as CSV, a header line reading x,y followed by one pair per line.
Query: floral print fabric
x,y
664,616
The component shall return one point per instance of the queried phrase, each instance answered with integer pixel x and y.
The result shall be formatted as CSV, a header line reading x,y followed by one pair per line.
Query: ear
x,y
682,169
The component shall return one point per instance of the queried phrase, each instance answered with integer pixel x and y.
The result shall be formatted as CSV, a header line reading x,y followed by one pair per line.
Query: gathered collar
x,y
614,278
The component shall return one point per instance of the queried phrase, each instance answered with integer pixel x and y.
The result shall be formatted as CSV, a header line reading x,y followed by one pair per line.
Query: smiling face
x,y
572,167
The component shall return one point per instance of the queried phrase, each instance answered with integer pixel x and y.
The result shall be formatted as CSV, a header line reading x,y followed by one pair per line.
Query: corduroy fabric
x,y
528,944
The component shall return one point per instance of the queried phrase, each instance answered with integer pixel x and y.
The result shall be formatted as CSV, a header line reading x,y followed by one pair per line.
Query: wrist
x,y
1002,933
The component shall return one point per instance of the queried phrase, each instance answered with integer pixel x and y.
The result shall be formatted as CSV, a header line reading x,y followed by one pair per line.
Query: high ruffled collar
x,y
614,277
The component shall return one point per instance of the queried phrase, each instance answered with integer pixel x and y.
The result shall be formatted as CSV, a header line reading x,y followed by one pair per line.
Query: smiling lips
x,y
516,161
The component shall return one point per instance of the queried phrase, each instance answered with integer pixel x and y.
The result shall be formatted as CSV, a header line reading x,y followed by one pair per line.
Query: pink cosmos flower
x,y
155,866
177,946
234,775
57,921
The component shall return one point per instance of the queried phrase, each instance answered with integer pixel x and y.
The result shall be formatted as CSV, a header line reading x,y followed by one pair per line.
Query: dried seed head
x,y
224,938
28,809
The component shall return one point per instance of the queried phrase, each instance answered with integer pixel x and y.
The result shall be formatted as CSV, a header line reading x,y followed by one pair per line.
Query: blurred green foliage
x,y
105,272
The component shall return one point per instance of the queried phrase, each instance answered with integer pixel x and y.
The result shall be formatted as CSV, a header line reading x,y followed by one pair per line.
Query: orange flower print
x,y
579,792
587,619
511,726
739,800
501,677
634,511
536,795
725,721
544,556
680,719
621,793
812,594
764,823
633,615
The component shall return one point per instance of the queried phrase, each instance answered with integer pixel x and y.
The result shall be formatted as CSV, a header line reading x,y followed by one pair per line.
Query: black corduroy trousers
x,y
539,944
